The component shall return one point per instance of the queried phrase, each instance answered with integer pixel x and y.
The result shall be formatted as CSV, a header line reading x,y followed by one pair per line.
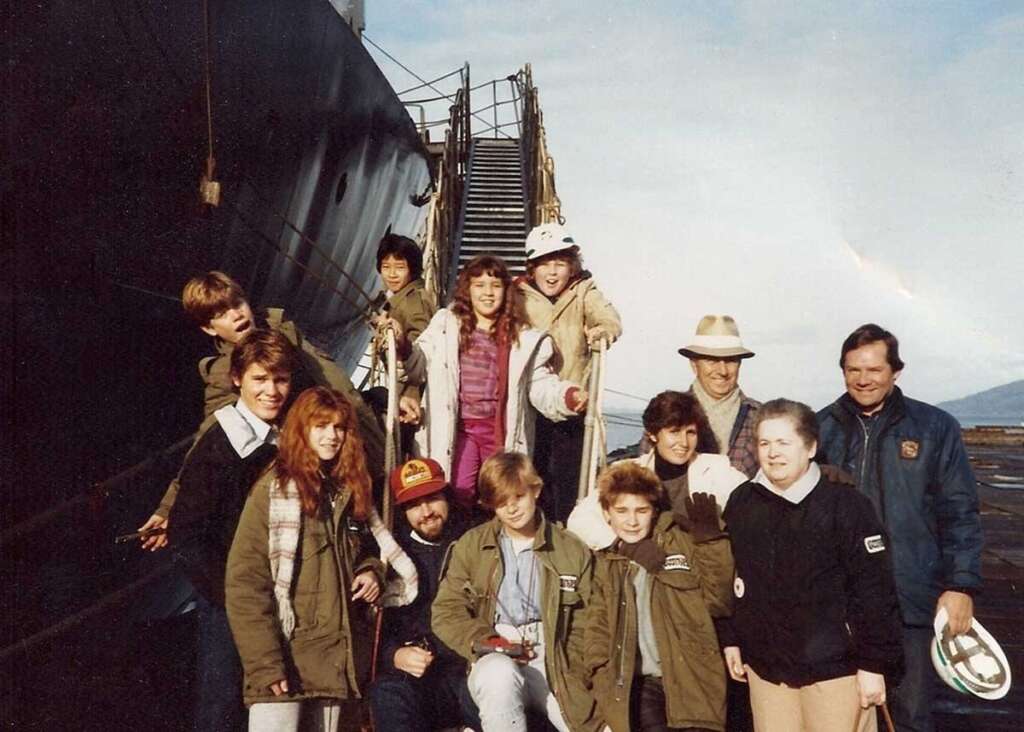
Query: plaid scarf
x,y
284,523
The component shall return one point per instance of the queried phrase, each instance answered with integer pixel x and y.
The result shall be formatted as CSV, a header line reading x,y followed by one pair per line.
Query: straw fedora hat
x,y
717,337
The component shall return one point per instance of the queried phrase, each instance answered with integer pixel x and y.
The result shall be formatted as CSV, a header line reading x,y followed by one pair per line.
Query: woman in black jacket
x,y
816,623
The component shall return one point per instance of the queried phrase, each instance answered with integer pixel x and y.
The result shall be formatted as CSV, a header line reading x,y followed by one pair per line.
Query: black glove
x,y
701,518
646,553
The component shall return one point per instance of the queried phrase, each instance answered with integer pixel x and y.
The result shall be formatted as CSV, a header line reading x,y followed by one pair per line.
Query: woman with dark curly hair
x,y
481,365
300,577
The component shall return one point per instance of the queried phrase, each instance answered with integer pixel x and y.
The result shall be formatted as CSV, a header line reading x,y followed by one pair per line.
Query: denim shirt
x,y
519,593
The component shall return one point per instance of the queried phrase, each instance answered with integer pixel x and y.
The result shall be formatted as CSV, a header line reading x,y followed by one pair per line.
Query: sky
x,y
804,167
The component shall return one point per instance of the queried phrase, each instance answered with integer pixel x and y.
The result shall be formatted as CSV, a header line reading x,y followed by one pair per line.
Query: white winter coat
x,y
435,362
708,473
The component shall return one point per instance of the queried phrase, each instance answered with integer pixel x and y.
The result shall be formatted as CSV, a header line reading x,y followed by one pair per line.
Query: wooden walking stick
x,y
391,436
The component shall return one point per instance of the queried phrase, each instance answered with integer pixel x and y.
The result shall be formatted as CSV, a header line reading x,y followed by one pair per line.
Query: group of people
x,y
748,546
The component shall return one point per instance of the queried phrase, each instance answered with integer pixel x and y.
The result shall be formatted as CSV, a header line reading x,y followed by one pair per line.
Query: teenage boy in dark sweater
x,y
422,684
215,480
219,307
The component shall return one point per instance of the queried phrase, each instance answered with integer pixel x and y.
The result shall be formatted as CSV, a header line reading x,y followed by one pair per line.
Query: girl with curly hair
x,y
300,577
483,369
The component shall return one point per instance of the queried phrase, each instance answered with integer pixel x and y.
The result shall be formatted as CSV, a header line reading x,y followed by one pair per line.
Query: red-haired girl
x,y
300,579
482,366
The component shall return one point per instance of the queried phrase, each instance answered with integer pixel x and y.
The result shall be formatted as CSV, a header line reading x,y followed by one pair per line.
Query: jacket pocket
x,y
308,586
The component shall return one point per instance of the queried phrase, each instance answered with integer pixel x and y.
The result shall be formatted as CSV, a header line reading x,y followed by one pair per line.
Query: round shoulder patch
x,y
738,587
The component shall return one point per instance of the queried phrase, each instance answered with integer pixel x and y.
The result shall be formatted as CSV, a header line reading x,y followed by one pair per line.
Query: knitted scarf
x,y
284,523
721,413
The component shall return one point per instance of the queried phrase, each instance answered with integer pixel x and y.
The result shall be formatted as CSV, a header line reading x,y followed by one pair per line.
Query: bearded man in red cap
x,y
421,684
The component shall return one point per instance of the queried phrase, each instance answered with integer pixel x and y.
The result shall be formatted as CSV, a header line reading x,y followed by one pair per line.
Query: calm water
x,y
622,435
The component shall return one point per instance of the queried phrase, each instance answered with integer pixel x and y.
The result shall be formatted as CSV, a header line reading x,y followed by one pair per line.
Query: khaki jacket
x,y
465,607
319,369
580,306
694,585
329,654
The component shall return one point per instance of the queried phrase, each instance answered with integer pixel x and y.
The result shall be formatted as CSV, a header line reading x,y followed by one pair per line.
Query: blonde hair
x,y
503,475
207,295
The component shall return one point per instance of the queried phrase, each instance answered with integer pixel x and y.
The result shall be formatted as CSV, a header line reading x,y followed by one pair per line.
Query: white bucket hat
x,y
547,239
717,337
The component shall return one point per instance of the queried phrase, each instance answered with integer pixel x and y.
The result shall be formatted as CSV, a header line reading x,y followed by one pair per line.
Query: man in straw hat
x,y
715,354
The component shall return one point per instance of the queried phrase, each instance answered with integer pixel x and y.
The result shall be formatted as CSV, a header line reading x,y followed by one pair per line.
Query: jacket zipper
x,y
620,632
878,462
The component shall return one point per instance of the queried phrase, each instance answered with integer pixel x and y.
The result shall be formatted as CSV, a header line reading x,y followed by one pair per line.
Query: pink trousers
x,y
474,443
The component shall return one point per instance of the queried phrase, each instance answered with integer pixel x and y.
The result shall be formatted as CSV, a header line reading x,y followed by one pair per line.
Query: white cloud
x,y
729,159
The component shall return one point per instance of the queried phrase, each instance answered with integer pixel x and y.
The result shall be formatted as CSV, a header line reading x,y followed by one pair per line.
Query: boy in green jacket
x,y
650,644
511,601
400,264
219,306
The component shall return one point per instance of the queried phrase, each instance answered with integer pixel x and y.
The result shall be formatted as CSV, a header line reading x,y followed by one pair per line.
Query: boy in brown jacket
x,y
650,644
219,306
511,601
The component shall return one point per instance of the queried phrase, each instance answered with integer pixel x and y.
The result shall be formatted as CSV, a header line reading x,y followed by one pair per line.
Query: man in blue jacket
x,y
908,457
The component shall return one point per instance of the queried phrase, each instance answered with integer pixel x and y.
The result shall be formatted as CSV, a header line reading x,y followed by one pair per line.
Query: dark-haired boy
x,y
650,642
218,305
512,600
400,264
214,482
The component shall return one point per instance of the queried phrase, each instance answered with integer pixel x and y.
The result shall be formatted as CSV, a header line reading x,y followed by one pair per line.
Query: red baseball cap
x,y
416,478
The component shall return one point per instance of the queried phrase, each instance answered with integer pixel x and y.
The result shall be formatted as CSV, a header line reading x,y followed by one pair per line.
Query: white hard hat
x,y
972,662
547,239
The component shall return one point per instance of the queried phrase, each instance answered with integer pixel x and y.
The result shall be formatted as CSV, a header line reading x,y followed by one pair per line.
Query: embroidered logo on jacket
x,y
676,561
567,582
874,544
910,449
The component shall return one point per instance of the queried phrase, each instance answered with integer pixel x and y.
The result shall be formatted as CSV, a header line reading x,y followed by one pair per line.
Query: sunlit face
x,y
782,453
326,438
486,295
718,376
427,515
631,518
552,274
517,512
395,272
869,377
264,392
676,445
231,325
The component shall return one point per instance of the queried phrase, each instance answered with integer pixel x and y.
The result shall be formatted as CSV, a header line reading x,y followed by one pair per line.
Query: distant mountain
x,y
1003,402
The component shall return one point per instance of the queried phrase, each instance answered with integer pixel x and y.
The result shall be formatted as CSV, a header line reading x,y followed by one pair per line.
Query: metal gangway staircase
x,y
494,211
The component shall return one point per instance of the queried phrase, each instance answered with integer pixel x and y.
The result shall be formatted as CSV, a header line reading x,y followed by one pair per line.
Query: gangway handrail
x,y
102,488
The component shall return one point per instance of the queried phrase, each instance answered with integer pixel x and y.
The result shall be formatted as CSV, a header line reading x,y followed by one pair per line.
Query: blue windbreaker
x,y
910,460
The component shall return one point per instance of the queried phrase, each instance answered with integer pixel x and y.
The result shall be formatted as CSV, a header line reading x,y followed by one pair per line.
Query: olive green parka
x,y
412,308
329,654
693,586
465,607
